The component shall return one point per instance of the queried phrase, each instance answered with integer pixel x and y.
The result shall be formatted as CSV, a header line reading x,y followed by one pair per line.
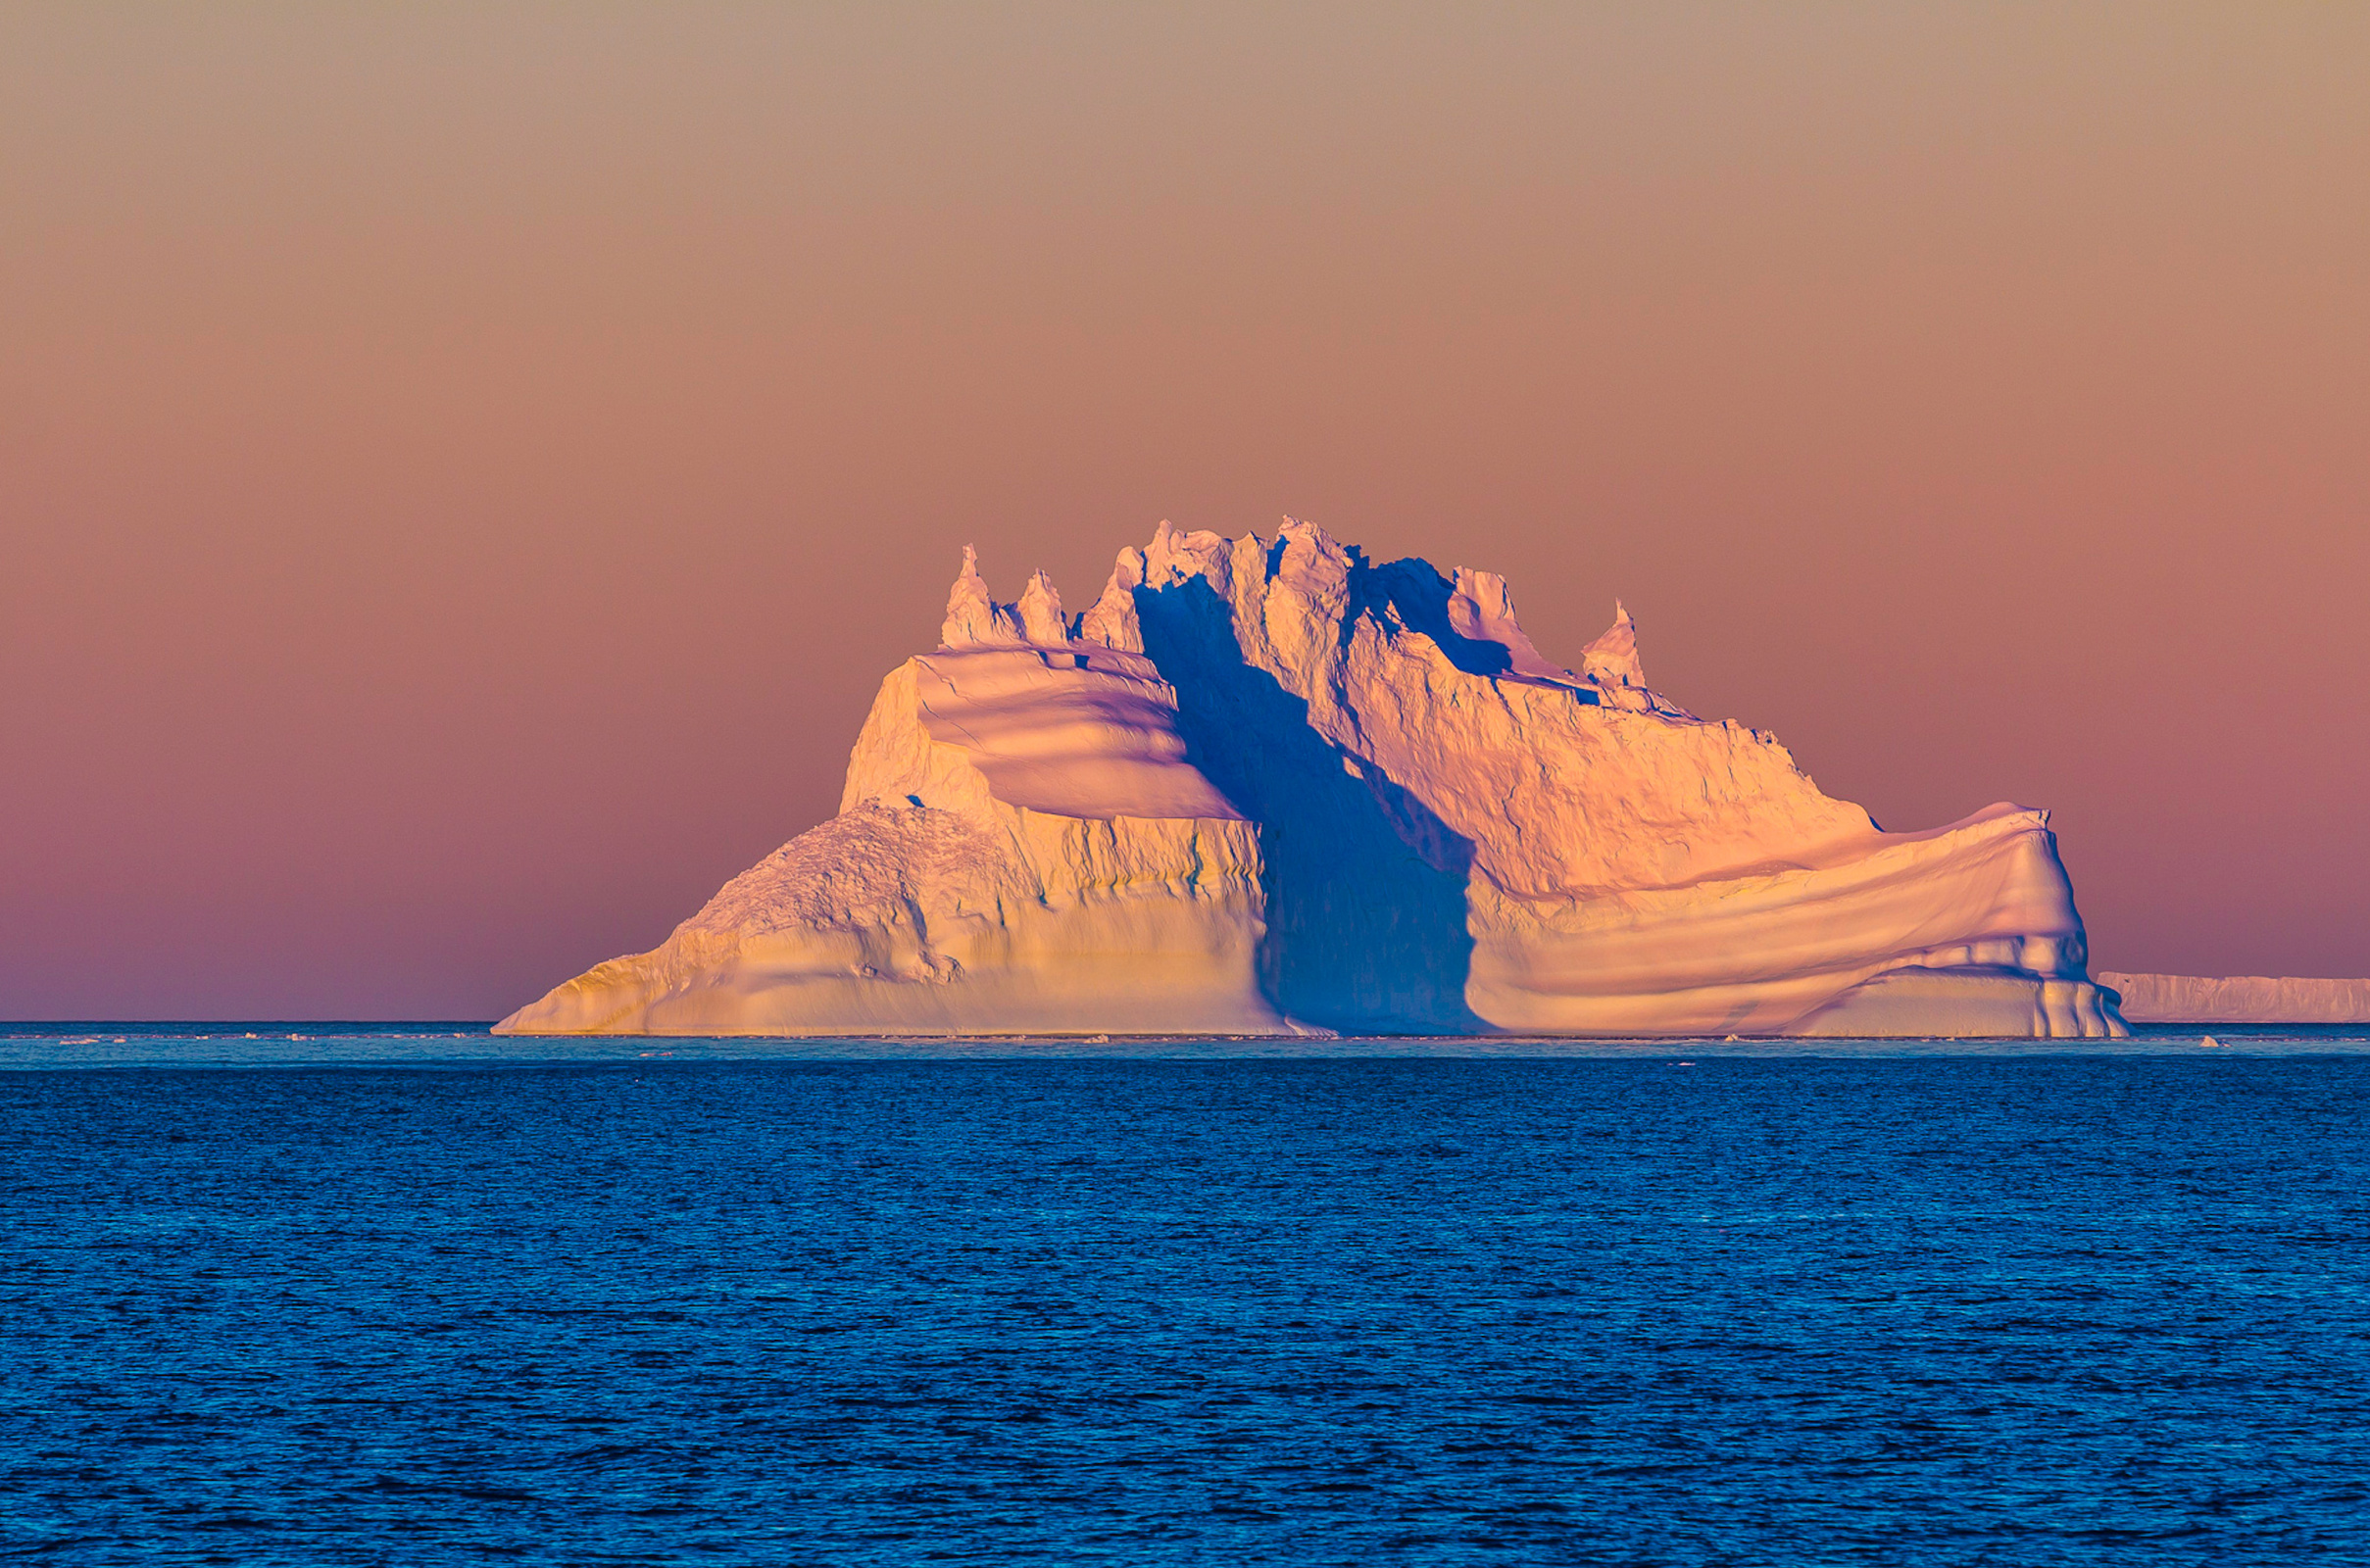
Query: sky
x,y
464,470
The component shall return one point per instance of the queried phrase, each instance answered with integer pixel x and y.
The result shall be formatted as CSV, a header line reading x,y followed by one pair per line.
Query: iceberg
x,y
1266,786
2239,999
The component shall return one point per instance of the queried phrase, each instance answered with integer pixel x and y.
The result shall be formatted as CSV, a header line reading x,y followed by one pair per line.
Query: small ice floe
x,y
2210,1043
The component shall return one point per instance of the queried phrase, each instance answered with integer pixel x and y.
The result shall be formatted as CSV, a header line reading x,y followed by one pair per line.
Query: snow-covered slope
x,y
1266,784
2239,999
1021,848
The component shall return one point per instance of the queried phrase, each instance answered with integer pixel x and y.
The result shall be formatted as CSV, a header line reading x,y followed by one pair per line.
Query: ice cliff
x,y
2239,999
1264,785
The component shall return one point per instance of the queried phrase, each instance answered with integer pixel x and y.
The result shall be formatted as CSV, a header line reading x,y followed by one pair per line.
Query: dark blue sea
x,y
422,1298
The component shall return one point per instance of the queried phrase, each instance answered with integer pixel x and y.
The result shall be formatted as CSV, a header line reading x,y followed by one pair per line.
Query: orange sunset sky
x,y
464,470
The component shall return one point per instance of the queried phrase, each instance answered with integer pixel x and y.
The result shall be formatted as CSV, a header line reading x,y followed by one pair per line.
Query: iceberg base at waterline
x,y
1267,787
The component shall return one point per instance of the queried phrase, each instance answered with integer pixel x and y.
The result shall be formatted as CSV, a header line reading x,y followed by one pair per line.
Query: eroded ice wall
x,y
1459,833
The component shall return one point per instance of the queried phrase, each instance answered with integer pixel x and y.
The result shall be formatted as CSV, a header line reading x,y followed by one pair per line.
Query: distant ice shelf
x,y
2238,999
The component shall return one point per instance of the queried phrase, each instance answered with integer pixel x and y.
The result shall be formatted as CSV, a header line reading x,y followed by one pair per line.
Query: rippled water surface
x,y
1645,1306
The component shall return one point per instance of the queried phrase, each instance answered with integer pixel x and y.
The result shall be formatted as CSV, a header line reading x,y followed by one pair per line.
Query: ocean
x,y
420,1296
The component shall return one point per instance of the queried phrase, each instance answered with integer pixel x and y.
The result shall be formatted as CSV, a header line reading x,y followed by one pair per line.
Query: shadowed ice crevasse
x,y
1265,786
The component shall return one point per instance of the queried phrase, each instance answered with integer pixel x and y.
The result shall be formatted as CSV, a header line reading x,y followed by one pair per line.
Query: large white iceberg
x,y
1264,786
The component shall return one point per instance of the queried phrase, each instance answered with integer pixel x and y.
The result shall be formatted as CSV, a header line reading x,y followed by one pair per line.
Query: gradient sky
x,y
464,470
